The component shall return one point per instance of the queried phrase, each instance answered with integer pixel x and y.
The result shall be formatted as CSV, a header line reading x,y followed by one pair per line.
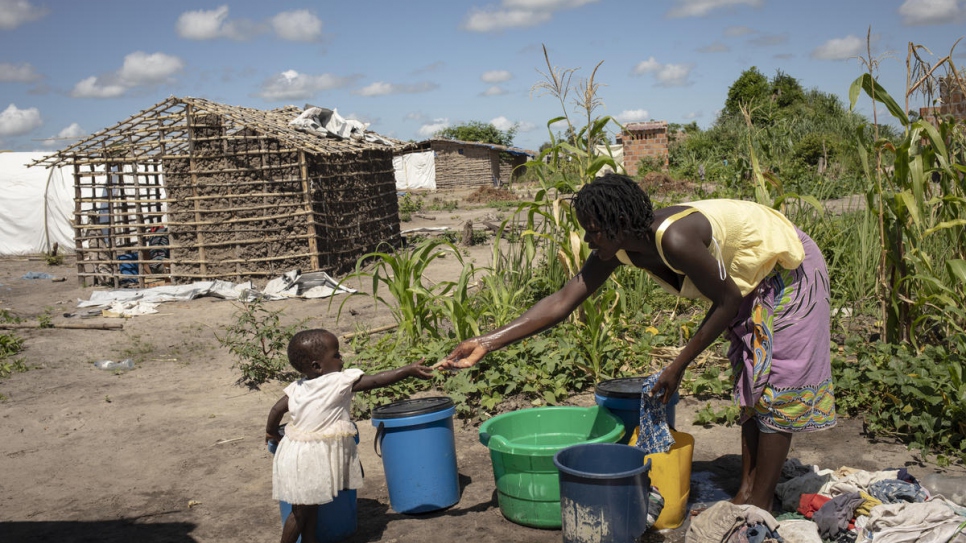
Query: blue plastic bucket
x,y
415,439
622,397
604,491
336,520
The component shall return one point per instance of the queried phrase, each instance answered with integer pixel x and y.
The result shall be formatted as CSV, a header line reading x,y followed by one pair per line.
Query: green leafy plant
x,y
917,397
259,340
398,282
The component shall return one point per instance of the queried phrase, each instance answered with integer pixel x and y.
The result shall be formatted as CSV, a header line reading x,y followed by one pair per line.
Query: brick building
x,y
644,140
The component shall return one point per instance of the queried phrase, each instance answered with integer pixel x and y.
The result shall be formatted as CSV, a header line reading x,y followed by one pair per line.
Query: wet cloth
x,y
895,491
927,522
809,504
317,457
780,348
799,531
723,522
790,492
654,435
836,516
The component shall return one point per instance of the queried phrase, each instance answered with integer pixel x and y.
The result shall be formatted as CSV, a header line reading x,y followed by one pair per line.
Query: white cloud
x,y
381,88
667,75
738,31
931,12
94,87
14,13
496,76
840,48
18,73
647,66
66,136
299,25
768,40
17,122
414,116
674,75
495,90
502,123
436,66
700,8
429,129
716,47
632,116
141,68
518,14
214,24
291,85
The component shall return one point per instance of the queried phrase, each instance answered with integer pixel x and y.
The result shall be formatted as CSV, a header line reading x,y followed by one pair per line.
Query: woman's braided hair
x,y
616,204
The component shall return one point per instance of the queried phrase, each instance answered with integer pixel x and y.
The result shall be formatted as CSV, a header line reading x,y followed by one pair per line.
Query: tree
x,y
786,90
750,89
479,131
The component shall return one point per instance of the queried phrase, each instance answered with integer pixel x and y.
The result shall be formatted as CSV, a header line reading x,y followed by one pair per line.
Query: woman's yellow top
x,y
747,239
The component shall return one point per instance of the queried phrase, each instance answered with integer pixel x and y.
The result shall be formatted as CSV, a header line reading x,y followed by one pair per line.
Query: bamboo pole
x,y
307,201
194,187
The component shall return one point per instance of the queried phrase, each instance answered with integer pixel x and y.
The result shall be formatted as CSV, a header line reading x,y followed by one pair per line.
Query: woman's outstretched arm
x,y
541,316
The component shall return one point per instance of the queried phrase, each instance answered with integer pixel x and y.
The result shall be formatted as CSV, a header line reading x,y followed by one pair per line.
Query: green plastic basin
x,y
522,445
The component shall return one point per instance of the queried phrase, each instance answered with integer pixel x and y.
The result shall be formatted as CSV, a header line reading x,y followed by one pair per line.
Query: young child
x,y
318,456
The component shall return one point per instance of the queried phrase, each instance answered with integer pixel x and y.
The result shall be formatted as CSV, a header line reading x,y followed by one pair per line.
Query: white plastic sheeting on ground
x,y
36,206
415,171
130,302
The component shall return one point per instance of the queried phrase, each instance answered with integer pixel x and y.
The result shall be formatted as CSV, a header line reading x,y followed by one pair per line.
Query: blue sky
x,y
69,68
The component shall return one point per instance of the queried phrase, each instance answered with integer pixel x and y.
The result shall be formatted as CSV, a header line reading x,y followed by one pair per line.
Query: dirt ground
x,y
173,450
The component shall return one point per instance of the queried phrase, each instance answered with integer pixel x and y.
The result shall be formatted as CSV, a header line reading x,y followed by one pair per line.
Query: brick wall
x,y
953,100
644,140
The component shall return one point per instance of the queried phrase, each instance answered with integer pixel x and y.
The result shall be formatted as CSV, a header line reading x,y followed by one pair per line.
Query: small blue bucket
x,y
604,490
622,397
416,442
336,520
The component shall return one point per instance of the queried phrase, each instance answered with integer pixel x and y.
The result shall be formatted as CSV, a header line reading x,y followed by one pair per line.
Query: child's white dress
x,y
317,457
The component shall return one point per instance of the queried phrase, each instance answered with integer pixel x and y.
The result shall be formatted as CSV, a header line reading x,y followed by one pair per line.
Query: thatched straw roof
x,y
163,129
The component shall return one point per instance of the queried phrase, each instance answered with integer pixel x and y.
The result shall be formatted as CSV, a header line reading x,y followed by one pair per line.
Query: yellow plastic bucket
x,y
671,474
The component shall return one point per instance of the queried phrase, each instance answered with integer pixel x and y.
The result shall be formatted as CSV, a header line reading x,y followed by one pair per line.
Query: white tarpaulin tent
x,y
36,206
415,171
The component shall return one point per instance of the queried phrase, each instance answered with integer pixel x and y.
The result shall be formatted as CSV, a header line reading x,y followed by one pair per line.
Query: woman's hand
x,y
667,383
466,354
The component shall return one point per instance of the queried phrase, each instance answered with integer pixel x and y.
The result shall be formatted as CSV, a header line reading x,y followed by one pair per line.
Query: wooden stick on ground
x,y
351,335
66,325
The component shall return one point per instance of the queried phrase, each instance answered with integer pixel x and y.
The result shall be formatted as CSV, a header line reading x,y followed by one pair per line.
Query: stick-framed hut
x,y
190,190
471,164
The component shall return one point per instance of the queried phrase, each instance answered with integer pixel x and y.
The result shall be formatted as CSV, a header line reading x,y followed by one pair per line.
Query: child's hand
x,y
418,370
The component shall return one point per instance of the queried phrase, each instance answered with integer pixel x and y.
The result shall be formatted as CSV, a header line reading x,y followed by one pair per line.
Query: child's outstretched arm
x,y
275,419
388,377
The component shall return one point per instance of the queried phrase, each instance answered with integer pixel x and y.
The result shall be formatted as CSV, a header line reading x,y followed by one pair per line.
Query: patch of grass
x,y
138,349
54,260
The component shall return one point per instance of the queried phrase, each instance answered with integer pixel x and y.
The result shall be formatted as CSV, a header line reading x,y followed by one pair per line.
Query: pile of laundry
x,y
844,505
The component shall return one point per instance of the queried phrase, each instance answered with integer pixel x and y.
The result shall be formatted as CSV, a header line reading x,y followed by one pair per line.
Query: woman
x,y
768,287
